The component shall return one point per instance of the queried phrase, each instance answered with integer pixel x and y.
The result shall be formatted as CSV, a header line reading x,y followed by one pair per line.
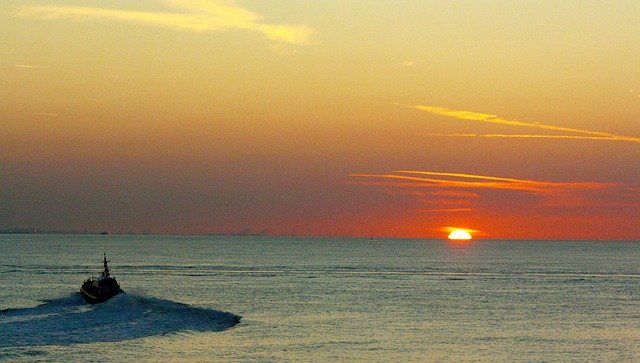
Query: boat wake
x,y
69,320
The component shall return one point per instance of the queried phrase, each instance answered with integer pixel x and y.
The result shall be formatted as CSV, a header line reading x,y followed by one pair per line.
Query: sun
x,y
460,234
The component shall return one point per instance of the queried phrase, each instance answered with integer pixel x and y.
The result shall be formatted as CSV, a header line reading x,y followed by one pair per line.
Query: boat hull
x,y
96,293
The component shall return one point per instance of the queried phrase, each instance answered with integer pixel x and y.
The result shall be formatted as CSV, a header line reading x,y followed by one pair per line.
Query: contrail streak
x,y
456,184
525,136
451,210
468,176
487,182
482,117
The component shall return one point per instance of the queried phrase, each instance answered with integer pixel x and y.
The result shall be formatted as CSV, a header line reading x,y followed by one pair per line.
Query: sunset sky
x,y
514,119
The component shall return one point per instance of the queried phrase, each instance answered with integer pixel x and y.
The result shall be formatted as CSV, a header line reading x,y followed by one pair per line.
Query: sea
x,y
211,298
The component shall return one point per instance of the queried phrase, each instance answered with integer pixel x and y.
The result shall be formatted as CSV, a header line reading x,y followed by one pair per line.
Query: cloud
x,y
482,117
494,197
444,183
447,193
25,66
487,182
524,182
452,210
195,16
535,136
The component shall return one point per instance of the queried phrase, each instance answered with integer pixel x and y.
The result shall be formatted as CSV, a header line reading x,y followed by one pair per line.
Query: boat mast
x,y
105,273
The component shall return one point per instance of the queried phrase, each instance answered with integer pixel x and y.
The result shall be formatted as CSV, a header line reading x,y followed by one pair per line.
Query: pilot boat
x,y
101,288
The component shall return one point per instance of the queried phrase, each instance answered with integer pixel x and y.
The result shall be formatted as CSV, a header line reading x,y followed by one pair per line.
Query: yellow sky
x,y
195,116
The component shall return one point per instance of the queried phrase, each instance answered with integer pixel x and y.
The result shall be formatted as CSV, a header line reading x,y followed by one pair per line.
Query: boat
x,y
102,288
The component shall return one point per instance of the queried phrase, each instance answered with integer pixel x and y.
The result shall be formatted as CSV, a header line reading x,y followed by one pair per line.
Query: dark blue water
x,y
215,298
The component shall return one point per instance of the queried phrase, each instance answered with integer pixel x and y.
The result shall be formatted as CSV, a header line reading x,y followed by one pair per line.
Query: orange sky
x,y
356,118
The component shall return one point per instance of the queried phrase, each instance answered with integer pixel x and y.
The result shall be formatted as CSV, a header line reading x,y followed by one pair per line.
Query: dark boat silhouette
x,y
99,289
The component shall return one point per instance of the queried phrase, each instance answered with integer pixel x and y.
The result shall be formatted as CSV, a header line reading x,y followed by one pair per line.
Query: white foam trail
x,y
69,320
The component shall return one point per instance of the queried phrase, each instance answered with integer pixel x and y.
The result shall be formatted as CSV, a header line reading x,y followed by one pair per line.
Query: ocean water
x,y
320,299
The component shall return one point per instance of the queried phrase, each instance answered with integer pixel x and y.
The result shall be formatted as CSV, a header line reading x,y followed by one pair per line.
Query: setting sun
x,y
460,234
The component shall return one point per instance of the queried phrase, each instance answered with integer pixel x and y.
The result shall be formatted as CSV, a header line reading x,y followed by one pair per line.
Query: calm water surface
x,y
260,298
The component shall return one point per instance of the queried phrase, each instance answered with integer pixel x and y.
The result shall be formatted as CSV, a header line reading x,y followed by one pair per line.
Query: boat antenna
x,y
105,273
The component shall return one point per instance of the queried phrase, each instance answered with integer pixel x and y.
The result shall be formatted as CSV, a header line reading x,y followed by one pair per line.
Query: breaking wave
x,y
69,320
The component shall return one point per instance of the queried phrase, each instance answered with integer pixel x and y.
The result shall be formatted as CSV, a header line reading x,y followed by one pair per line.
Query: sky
x,y
512,119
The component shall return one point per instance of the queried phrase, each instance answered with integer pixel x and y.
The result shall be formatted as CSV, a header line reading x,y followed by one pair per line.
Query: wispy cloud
x,y
446,193
525,183
468,115
535,136
497,196
553,193
192,15
486,182
451,210
25,66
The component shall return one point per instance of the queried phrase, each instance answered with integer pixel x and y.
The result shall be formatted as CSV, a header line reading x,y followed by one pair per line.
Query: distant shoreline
x,y
43,231
121,233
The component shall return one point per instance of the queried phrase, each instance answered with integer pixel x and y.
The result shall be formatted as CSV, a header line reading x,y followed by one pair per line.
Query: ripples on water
x,y
321,299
